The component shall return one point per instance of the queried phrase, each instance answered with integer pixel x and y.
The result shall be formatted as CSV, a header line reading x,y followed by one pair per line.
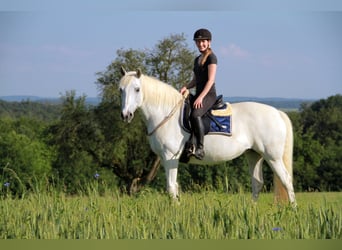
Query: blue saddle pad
x,y
221,125
221,120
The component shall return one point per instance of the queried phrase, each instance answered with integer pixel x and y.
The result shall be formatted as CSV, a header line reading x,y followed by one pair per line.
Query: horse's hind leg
x,y
279,169
255,162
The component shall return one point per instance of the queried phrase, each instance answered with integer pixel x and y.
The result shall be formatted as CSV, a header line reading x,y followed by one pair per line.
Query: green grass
x,y
152,215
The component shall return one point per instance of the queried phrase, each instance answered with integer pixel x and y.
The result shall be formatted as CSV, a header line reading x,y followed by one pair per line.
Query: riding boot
x,y
198,128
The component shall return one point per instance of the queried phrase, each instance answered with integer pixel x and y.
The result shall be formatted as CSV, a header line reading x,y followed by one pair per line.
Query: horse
x,y
259,131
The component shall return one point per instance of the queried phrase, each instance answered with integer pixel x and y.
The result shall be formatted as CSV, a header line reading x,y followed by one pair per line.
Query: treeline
x,y
91,143
37,110
72,145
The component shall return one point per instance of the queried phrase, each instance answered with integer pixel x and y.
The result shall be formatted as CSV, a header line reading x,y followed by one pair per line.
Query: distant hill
x,y
50,100
19,98
277,102
281,103
35,110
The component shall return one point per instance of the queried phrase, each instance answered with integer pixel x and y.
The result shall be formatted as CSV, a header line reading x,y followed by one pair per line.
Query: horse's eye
x,y
137,89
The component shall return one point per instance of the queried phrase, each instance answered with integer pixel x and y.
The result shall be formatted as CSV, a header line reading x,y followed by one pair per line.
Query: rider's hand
x,y
198,103
183,90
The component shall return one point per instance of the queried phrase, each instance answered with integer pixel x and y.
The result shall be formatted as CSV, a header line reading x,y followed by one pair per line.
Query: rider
x,y
204,80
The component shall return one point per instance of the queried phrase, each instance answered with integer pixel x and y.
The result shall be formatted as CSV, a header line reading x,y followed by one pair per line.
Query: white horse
x,y
260,131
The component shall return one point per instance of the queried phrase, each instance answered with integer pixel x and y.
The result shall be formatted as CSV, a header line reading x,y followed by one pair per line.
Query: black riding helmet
x,y
202,34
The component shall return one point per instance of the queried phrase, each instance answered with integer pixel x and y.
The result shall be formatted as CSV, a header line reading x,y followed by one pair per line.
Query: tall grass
x,y
51,214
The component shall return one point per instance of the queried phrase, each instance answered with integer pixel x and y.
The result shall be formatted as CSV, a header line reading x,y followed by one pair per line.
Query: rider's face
x,y
202,45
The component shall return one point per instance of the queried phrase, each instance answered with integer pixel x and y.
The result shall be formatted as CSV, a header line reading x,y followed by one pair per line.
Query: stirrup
x,y
189,149
199,153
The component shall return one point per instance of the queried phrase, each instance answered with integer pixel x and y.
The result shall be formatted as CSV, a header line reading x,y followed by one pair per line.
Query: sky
x,y
264,50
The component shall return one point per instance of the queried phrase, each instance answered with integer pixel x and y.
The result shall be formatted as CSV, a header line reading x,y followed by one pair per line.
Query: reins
x,y
168,117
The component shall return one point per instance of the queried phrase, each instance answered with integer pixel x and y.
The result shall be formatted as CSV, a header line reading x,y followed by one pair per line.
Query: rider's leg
x,y
198,128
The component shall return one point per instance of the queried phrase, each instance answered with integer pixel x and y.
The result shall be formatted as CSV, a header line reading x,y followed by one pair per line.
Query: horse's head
x,y
131,94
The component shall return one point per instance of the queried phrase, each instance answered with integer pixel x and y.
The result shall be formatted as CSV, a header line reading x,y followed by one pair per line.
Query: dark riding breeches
x,y
208,102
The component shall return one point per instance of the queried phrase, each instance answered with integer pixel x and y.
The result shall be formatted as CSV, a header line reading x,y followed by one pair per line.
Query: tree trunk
x,y
137,183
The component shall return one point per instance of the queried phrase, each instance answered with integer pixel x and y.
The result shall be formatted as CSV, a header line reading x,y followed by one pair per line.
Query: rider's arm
x,y
190,85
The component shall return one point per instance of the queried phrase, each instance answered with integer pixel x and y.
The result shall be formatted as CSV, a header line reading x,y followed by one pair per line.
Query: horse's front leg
x,y
171,169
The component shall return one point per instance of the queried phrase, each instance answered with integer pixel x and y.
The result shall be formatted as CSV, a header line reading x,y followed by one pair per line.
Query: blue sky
x,y
292,51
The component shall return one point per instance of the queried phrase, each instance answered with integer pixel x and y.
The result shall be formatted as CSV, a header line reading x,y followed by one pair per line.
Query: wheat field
x,y
153,215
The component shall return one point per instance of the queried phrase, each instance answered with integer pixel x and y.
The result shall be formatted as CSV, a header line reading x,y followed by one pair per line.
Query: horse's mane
x,y
156,92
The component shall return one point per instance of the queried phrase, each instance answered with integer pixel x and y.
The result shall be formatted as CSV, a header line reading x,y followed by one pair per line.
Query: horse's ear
x,y
123,71
139,73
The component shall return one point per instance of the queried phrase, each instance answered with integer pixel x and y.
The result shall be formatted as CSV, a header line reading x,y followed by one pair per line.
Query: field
x,y
152,215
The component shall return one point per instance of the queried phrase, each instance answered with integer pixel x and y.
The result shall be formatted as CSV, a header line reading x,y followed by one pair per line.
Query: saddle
x,y
216,121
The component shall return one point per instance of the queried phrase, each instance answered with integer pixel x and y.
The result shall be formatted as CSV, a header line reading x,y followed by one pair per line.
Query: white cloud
x,y
233,50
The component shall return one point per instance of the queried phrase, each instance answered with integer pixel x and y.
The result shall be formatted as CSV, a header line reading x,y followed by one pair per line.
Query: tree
x,y
319,149
324,119
107,81
24,157
77,140
171,61
127,150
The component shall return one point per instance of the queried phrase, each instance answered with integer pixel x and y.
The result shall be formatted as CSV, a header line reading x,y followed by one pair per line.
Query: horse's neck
x,y
159,101
154,114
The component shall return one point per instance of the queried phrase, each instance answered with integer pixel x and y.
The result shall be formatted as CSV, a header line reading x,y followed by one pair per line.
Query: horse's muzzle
x,y
127,116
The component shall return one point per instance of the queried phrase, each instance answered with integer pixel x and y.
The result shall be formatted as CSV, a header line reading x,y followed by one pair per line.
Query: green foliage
x,y
227,177
125,148
318,148
23,155
171,61
35,110
86,140
108,80
77,140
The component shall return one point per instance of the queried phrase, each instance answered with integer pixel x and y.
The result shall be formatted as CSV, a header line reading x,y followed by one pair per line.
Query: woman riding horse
x,y
204,80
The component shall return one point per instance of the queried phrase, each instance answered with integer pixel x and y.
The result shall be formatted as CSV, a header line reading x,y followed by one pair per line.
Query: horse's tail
x,y
280,192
